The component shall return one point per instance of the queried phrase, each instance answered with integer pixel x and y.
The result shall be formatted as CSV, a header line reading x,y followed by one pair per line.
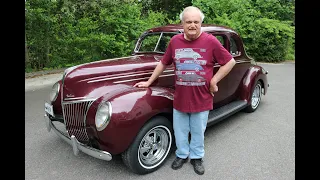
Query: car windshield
x,y
154,42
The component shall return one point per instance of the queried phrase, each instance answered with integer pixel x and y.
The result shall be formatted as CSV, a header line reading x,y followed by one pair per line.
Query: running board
x,y
225,111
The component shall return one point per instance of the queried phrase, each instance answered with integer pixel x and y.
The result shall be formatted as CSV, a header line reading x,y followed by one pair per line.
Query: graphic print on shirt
x,y
189,70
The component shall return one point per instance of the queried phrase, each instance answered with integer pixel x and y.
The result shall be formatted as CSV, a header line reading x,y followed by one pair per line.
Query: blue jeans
x,y
196,124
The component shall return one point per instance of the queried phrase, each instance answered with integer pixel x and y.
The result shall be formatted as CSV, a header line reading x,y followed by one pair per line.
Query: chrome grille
x,y
74,113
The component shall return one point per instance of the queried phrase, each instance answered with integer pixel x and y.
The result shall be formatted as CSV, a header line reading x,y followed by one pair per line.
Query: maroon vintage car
x,y
96,109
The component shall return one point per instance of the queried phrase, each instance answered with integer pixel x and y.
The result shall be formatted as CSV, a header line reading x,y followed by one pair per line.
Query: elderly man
x,y
192,99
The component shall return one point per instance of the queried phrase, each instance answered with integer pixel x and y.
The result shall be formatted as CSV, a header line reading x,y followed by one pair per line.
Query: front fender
x,y
254,74
131,109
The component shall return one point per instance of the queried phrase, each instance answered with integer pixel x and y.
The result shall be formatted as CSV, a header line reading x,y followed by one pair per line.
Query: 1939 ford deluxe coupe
x,y
96,109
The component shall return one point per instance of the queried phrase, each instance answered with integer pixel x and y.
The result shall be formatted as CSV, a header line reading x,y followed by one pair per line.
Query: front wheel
x,y
151,147
255,98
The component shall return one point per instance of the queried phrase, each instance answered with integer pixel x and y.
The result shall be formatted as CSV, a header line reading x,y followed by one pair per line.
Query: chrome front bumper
x,y
76,145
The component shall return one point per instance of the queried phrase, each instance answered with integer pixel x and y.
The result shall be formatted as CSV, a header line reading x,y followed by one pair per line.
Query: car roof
x,y
179,28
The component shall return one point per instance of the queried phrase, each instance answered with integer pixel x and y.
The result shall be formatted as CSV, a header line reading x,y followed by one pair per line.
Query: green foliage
x,y
62,33
270,40
283,10
265,26
171,8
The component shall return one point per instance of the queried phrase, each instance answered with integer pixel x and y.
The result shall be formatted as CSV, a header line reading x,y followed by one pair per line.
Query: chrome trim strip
x,y
118,77
155,48
63,115
77,101
237,62
112,59
85,117
169,70
76,145
75,98
242,61
142,78
124,76
113,75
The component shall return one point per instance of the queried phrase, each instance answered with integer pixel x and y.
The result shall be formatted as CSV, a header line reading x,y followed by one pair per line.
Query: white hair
x,y
191,8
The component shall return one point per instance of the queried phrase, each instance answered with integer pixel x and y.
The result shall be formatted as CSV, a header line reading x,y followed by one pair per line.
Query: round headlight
x,y
103,115
54,91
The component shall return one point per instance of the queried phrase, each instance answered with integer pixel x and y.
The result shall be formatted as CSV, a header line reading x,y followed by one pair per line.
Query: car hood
x,y
91,80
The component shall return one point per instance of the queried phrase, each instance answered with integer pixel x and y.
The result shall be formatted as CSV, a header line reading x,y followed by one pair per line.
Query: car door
x,y
228,86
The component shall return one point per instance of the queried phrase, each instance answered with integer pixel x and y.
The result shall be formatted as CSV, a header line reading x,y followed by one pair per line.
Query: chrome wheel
x,y
256,96
151,146
154,147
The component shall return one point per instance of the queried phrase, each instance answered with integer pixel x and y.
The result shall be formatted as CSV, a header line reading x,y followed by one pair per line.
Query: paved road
x,y
256,146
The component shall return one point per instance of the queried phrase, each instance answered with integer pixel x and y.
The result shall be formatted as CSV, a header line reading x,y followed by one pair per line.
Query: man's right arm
x,y
156,73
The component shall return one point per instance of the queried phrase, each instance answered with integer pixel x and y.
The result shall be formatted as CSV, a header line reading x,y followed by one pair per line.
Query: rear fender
x,y
254,74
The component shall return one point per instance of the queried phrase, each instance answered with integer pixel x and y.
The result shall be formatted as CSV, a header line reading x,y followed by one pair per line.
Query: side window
x,y
220,38
234,49
164,41
149,43
152,43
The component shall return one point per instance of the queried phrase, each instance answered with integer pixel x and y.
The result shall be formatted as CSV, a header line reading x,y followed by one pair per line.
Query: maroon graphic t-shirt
x,y
194,61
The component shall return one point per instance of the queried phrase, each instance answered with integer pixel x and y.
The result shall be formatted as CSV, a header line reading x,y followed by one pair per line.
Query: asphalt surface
x,y
255,146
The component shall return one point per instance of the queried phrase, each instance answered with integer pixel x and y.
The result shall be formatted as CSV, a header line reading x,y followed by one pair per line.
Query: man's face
x,y
192,24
